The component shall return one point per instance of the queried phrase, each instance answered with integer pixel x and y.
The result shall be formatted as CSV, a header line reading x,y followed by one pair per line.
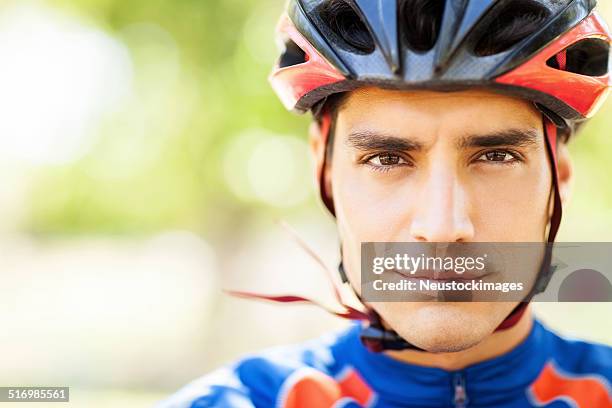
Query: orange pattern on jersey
x,y
352,385
584,391
315,389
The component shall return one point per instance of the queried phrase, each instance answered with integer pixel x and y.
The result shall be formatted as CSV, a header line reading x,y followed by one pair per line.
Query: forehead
x,y
472,111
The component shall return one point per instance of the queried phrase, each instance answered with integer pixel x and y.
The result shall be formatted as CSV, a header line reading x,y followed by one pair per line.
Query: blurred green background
x,y
143,163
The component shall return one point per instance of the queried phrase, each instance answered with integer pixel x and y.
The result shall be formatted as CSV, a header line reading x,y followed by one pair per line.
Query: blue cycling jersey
x,y
545,370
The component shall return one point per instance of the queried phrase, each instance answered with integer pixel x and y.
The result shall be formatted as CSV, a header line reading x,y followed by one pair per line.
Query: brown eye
x,y
386,159
497,156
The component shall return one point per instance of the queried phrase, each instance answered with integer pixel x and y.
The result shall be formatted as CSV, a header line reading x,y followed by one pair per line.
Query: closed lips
x,y
444,275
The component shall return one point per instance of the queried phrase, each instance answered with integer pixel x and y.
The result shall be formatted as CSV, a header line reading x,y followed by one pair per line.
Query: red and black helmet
x,y
562,66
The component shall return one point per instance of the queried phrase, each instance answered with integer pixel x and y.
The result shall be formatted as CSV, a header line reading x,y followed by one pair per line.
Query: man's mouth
x,y
442,275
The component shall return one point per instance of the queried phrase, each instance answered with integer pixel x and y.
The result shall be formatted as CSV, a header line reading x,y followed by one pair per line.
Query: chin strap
x,y
374,335
376,338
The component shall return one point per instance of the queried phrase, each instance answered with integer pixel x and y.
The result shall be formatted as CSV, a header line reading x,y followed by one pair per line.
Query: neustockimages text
x,y
409,265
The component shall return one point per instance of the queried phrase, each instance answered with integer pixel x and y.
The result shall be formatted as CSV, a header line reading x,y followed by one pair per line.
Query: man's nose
x,y
442,209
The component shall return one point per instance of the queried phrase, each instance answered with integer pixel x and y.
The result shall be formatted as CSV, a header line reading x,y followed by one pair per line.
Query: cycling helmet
x,y
561,65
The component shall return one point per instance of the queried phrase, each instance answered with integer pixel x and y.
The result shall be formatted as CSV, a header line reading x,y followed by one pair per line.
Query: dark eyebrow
x,y
368,140
511,137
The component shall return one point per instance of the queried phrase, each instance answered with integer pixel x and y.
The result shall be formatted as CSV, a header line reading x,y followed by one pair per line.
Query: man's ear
x,y
318,146
565,173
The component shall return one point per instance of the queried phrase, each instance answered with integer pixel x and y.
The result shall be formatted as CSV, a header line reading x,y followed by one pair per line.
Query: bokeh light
x,y
58,78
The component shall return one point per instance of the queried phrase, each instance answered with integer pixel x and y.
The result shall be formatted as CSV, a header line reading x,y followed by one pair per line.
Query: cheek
x,y
361,214
367,209
512,208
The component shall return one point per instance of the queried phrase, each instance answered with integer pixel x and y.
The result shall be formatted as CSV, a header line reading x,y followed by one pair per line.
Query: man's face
x,y
438,167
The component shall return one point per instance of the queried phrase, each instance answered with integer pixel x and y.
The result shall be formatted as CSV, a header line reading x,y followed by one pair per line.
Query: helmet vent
x,y
420,22
586,57
347,27
511,24
291,55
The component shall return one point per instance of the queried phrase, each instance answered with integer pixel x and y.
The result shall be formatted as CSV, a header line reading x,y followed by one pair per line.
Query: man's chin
x,y
441,328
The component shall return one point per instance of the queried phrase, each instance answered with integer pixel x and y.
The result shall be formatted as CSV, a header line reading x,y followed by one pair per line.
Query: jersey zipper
x,y
460,398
